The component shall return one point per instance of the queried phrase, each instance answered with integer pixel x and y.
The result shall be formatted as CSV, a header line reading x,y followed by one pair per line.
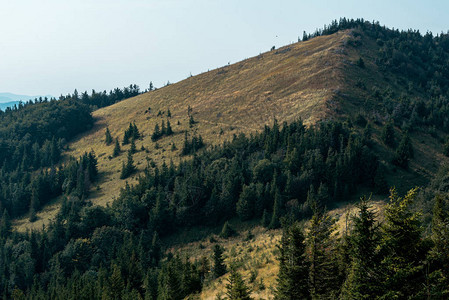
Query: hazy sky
x,y
55,46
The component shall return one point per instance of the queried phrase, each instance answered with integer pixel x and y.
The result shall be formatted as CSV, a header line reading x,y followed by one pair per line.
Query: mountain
x,y
9,97
224,158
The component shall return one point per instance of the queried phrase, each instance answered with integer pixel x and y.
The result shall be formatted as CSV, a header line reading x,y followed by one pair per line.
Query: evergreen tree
x,y
132,148
439,254
5,225
227,231
364,279
156,133
323,272
275,217
236,289
168,130
402,247
404,152
117,149
388,134
108,137
219,266
128,168
292,280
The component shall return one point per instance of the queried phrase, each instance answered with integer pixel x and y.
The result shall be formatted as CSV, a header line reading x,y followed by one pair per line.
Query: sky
x,y
51,47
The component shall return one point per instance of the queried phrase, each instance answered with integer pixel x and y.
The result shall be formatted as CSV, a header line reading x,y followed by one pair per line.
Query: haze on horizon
x,y
53,47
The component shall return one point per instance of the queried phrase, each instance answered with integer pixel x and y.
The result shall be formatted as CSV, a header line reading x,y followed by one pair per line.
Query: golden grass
x,y
259,254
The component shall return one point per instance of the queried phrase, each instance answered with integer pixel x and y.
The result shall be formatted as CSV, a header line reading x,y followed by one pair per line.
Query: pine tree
x,y
227,231
364,280
323,271
388,134
116,284
402,247
275,217
168,130
236,289
156,133
439,254
128,168
5,224
117,149
292,280
404,152
132,148
108,137
219,266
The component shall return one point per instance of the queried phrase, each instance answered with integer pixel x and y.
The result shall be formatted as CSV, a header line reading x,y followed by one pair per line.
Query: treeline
x,y
393,259
97,251
94,100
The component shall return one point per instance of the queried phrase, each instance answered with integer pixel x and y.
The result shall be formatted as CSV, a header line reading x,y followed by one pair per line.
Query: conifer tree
x,y
219,268
388,134
275,217
168,130
108,137
404,152
439,254
156,133
128,168
236,289
323,271
364,280
292,280
117,149
132,148
402,247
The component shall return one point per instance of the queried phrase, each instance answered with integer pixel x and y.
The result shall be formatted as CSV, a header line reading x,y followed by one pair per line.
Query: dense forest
x,y
279,177
33,137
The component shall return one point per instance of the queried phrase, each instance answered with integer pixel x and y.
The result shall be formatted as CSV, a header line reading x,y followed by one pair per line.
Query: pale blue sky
x,y
54,46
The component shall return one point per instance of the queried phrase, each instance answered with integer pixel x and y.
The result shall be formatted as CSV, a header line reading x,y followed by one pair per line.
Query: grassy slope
x,y
312,80
298,80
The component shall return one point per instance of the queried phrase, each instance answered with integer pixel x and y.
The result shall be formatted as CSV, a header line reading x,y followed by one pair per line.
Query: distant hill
x,y
4,105
10,97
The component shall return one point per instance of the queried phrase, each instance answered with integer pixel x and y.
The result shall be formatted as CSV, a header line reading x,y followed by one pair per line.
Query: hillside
x,y
314,80
294,137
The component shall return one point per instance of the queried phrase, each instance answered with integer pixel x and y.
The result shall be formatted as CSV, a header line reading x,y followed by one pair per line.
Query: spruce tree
x,y
388,134
108,137
236,289
402,247
292,280
117,149
168,130
364,280
404,152
439,254
321,243
128,168
219,266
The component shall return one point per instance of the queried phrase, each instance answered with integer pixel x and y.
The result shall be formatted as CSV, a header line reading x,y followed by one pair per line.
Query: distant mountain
x,y
3,106
9,97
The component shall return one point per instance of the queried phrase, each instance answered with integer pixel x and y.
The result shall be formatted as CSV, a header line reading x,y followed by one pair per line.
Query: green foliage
x,y
292,280
108,138
404,152
236,289
117,149
219,268
227,231
388,134
364,278
361,63
402,247
193,145
132,133
128,168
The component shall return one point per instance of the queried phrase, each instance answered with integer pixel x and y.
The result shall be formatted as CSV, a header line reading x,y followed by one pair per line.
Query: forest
x,y
281,177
